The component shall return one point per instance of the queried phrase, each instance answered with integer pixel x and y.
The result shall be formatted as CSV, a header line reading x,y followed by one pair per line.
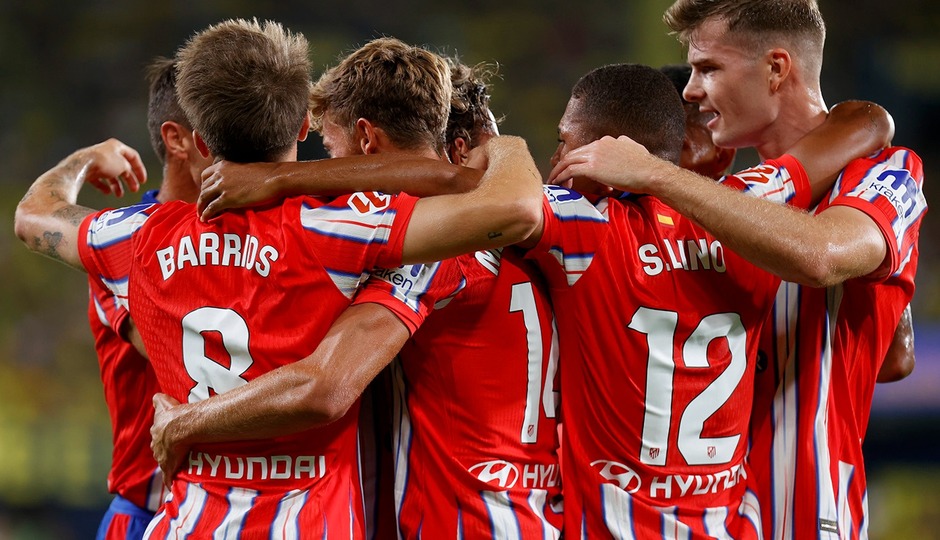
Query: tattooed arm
x,y
48,218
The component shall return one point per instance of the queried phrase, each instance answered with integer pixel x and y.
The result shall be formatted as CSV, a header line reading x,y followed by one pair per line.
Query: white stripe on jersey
x,y
153,523
189,512
116,225
119,287
504,525
285,525
346,283
102,318
549,395
891,181
239,503
157,491
441,304
617,506
750,510
401,434
784,417
537,500
846,474
415,280
574,264
863,525
346,224
673,529
715,522
904,261
827,495
768,182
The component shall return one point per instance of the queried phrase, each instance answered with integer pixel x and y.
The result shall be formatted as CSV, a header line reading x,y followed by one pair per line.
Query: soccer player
x,y
474,424
127,377
701,155
224,302
756,64
657,450
471,122
699,152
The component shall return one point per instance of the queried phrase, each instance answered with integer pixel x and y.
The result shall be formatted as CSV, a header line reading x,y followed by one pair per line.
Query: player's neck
x,y
178,183
424,151
796,119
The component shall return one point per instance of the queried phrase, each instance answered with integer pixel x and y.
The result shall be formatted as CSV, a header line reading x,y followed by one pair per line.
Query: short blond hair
x,y
404,89
244,87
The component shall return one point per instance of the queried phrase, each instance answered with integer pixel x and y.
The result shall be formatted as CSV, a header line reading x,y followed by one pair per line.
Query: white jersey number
x,y
660,330
212,373
523,299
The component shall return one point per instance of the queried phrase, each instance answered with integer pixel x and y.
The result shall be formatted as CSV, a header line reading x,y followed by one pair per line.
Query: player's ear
x,y
305,127
175,137
201,145
780,66
458,151
368,136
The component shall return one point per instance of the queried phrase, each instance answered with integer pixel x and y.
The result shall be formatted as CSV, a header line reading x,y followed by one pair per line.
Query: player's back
x,y
825,350
219,304
475,399
658,326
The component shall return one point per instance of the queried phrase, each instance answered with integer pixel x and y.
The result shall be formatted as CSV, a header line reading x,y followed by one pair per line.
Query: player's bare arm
x,y
504,209
229,185
899,360
47,218
852,129
314,391
838,244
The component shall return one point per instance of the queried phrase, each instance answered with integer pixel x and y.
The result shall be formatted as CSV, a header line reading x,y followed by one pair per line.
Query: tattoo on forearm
x,y
48,245
494,235
72,214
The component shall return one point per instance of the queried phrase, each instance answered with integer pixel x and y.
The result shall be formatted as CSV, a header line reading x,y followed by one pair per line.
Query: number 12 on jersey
x,y
659,326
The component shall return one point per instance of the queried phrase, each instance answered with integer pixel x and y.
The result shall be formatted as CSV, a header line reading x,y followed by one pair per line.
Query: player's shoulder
x,y
896,157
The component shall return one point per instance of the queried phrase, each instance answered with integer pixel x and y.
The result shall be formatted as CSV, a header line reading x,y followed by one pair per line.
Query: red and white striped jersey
x,y
475,437
825,350
659,331
219,304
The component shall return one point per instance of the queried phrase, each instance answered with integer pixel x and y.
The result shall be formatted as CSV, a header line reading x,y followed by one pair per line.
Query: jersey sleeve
x,y
782,180
574,231
411,292
108,310
888,187
105,246
355,233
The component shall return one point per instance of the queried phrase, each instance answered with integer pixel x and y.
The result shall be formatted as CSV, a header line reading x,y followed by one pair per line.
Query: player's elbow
x,y
324,407
460,180
23,222
893,371
829,262
524,216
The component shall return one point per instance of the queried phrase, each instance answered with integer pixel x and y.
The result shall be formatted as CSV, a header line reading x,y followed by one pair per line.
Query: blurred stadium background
x,y
71,74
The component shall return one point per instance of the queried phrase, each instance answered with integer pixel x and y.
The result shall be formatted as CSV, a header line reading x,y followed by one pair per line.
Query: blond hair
x,y
403,89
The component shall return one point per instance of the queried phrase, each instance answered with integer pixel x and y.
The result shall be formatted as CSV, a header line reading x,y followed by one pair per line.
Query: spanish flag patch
x,y
665,220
